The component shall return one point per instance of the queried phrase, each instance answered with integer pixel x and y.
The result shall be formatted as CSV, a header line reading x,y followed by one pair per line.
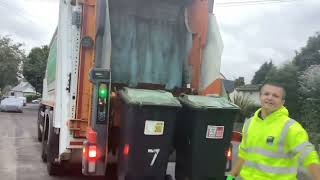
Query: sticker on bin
x,y
215,132
153,127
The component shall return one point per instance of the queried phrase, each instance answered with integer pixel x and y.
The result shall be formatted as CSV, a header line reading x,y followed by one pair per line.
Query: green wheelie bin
x,y
146,133
203,134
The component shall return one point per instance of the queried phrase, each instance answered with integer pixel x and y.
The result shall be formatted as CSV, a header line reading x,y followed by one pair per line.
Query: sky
x,y
31,22
252,34
255,34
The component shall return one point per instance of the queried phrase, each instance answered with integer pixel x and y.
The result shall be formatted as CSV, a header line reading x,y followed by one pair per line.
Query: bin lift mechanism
x,y
101,79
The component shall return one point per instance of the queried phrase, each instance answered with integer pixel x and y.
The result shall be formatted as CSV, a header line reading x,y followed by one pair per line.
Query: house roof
x,y
222,76
249,87
228,85
23,87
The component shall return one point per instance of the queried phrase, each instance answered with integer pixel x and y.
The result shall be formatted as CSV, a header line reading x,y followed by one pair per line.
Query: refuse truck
x,y
115,71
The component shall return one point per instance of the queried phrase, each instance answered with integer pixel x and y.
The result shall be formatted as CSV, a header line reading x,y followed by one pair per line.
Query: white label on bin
x,y
215,132
153,127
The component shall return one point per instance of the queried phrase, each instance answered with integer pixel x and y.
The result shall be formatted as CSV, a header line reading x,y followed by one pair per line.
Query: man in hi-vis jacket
x,y
273,144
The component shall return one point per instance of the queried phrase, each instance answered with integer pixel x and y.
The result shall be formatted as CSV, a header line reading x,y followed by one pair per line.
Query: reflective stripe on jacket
x,y
273,148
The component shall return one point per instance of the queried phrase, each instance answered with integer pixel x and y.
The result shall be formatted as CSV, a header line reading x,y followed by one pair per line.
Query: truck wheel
x,y
39,134
43,149
54,169
45,140
38,126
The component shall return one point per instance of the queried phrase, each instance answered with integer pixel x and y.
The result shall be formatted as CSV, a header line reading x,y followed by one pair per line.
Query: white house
x,y
22,89
251,91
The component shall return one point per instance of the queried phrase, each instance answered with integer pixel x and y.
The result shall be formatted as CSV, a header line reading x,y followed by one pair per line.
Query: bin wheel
x,y
168,177
181,178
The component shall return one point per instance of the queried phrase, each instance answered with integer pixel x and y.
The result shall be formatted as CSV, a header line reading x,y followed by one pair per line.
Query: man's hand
x,y
237,167
314,169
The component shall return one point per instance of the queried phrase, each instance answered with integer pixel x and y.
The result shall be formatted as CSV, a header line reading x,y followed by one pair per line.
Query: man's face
x,y
271,98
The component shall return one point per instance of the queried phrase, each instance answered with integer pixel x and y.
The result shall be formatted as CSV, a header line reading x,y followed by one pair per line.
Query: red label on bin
x,y
215,132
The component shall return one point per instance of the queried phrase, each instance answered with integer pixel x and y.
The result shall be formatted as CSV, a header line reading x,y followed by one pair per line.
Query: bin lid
x,y
149,97
207,102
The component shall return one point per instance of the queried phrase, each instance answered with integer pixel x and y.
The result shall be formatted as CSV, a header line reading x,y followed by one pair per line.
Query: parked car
x,y
12,104
36,101
24,99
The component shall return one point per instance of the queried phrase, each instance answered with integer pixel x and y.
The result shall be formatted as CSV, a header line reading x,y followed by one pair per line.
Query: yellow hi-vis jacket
x,y
274,147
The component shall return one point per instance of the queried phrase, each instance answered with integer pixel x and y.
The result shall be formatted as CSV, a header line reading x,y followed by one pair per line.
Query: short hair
x,y
277,85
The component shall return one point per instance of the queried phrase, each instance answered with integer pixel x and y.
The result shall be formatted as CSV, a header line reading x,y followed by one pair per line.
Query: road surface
x,y
20,150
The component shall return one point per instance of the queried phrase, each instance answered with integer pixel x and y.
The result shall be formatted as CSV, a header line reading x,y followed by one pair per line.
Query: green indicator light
x,y
103,91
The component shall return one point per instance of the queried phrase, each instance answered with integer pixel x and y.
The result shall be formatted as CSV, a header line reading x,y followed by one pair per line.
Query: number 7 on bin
x,y
156,152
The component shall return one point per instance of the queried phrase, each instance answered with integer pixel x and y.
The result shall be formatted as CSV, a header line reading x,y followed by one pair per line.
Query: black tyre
x,y
52,151
53,169
39,136
44,150
45,141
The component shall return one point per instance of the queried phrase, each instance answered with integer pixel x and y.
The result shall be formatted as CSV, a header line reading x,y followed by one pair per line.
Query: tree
x,y
260,75
309,90
309,55
11,56
35,66
239,82
287,76
309,82
6,89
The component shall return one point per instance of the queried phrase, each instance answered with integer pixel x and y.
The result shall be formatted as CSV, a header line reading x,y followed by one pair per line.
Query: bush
x,y
32,97
247,107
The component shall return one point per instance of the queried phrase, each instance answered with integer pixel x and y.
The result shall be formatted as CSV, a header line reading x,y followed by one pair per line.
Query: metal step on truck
x,y
127,84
